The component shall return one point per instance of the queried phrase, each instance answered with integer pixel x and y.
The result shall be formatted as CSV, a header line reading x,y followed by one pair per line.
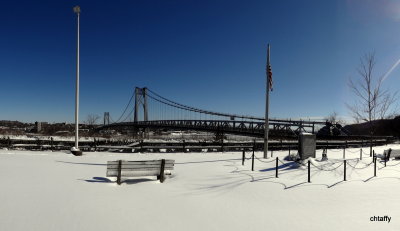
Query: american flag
x,y
269,76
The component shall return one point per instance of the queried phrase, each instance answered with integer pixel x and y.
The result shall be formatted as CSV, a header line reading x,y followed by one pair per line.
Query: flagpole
x,y
75,150
267,107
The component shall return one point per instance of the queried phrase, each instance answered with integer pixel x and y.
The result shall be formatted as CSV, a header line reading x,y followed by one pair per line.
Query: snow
x,y
42,137
206,191
74,149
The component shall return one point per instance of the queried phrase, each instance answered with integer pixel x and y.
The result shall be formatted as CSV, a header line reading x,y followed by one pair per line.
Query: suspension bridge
x,y
148,110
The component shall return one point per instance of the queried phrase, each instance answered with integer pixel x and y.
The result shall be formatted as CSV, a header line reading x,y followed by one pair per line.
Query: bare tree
x,y
92,119
386,102
371,102
334,118
366,91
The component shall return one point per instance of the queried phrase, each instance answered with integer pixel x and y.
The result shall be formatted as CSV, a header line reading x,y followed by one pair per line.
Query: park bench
x,y
388,153
124,169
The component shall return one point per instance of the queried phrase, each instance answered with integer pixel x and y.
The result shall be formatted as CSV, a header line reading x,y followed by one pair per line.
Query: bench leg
x,y
162,176
119,172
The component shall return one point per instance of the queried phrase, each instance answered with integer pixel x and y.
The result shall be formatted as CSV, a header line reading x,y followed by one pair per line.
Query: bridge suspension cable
x,y
171,103
126,108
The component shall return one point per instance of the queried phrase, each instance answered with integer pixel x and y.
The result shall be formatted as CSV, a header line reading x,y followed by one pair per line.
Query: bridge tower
x,y
106,118
140,100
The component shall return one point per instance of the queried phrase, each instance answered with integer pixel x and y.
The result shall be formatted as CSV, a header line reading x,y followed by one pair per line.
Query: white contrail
x,y
390,70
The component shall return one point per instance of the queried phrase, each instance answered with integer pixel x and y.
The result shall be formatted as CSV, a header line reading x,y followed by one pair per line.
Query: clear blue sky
x,y
207,54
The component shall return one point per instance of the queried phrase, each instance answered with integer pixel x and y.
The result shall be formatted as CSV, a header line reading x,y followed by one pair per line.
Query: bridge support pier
x,y
140,100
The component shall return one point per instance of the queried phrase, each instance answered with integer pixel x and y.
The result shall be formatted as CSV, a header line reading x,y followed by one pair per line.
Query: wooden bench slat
x,y
140,168
141,162
139,165
167,160
133,174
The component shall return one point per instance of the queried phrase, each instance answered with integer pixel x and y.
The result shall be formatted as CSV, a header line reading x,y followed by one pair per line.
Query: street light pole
x,y
75,150
267,105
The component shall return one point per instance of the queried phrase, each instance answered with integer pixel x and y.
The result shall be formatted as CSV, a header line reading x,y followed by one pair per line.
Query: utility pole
x,y
75,150
267,104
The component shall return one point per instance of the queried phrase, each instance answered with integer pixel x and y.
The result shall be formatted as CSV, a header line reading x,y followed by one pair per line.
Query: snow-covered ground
x,y
41,137
50,191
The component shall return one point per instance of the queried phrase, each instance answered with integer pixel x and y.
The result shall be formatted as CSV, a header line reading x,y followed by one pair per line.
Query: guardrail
x,y
179,146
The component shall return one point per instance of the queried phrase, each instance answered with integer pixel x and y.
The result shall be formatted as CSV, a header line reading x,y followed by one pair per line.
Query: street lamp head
x,y
77,9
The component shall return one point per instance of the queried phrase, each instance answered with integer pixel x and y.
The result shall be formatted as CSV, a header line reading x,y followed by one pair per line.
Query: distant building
x,y
39,126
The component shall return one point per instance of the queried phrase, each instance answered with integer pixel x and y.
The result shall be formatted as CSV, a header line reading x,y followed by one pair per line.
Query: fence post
x,y
309,172
370,148
272,153
276,173
385,158
243,156
374,165
252,161
95,144
360,153
344,179
289,149
344,153
51,143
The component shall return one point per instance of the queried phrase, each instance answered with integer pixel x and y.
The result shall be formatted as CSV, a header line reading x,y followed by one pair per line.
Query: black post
x,y
272,153
309,172
95,144
360,153
289,149
385,158
276,173
51,143
252,161
162,176
370,147
374,165
344,153
183,145
344,163
243,156
119,172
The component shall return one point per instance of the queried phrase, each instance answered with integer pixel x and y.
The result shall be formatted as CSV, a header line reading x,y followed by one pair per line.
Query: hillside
x,y
385,127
